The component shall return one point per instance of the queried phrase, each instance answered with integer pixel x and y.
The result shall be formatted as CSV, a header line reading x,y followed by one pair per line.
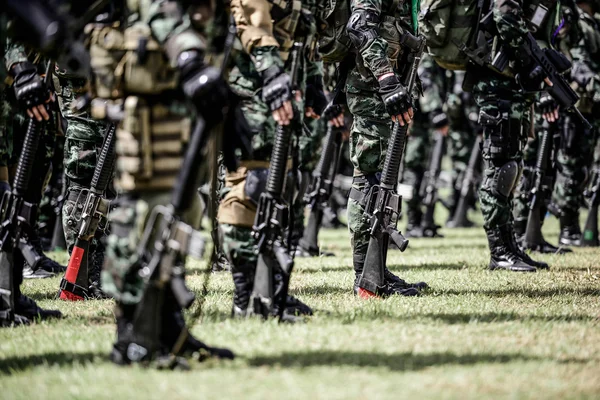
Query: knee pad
x,y
506,178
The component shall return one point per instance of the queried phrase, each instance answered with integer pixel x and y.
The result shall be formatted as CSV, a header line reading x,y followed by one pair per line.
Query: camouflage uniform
x,y
575,154
372,125
83,140
463,115
505,117
265,42
428,117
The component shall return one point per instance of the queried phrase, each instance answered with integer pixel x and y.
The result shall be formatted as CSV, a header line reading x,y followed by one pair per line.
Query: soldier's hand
x,y
443,130
334,114
398,102
315,97
277,93
548,107
31,91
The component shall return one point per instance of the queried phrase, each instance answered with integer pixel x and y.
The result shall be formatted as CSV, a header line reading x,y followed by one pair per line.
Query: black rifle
x,y
384,204
320,188
74,285
590,229
554,65
18,214
542,184
271,221
467,188
429,187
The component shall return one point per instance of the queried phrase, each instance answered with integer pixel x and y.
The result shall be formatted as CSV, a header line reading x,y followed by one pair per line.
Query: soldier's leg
x,y
504,116
415,164
524,186
237,210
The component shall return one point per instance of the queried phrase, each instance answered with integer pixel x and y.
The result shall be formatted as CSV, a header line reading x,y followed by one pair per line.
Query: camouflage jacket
x,y
433,81
395,17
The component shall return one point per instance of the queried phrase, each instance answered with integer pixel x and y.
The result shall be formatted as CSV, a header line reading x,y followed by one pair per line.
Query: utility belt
x,y
150,143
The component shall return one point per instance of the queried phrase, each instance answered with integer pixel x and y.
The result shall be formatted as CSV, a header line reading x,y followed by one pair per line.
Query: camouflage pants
x,y
369,136
574,159
416,158
128,222
505,118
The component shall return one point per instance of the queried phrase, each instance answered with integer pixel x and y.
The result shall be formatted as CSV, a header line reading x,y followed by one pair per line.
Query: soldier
x,y
83,140
261,77
429,118
142,71
376,100
505,117
576,150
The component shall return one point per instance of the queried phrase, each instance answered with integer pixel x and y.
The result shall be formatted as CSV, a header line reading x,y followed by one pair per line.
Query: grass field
x,y
474,334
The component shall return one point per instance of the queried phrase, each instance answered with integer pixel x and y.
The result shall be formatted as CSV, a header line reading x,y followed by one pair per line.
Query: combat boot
x,y
413,226
294,307
544,247
47,264
570,232
393,285
243,281
29,309
94,289
8,319
502,256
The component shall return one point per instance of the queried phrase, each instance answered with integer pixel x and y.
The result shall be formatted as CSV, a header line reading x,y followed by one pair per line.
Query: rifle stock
x,y
459,219
429,189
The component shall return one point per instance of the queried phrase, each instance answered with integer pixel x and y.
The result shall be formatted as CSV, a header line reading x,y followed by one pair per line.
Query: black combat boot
x,y
29,309
243,281
393,285
413,226
97,261
570,232
294,307
544,247
502,255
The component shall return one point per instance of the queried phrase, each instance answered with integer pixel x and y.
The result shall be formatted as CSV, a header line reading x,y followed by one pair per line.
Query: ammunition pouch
x,y
504,136
149,147
245,186
128,61
367,182
284,29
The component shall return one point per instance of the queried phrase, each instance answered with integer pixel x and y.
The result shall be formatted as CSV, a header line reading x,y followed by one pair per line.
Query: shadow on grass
x,y
341,268
533,293
393,362
43,295
429,266
10,365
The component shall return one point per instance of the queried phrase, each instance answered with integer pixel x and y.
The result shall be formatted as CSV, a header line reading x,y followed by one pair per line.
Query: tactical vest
x,y
285,28
132,71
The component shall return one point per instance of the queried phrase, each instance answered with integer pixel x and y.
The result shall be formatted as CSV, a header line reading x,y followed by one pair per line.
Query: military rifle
x,y
467,188
429,187
554,65
74,285
590,229
542,183
18,215
272,219
384,204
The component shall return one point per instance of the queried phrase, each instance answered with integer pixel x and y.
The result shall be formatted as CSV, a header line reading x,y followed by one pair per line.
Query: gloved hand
x,y
315,97
548,107
581,74
334,114
397,100
277,93
204,86
30,90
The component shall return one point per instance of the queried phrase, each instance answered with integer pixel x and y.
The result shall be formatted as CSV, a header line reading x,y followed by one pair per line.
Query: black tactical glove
x,y
546,104
315,95
30,89
277,87
332,111
203,85
394,95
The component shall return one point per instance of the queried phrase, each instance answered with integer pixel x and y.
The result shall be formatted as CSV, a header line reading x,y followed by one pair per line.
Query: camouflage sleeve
x,y
314,68
254,23
374,52
585,71
510,21
171,27
432,101
14,53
